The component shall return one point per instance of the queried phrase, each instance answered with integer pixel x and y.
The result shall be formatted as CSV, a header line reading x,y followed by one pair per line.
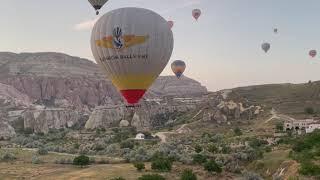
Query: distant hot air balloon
x,y
130,50
265,47
275,30
313,53
97,4
178,67
196,13
171,23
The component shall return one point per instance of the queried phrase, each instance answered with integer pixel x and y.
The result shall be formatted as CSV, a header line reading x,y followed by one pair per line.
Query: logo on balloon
x,y
118,41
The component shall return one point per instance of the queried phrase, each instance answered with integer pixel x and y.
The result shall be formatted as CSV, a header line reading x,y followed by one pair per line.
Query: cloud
x,y
85,25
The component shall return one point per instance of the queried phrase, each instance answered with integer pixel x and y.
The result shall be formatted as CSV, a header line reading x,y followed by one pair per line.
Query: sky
x,y
222,49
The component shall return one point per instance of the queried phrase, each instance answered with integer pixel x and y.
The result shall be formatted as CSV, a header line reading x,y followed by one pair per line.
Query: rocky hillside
x,y
49,90
52,78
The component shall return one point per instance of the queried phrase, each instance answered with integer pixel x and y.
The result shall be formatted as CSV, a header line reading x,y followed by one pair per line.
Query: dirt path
x,y
275,115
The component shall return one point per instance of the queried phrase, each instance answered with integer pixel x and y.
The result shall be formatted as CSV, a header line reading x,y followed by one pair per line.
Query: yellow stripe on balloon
x,y
133,81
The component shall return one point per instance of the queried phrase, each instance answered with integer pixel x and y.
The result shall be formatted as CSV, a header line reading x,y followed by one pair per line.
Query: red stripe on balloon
x,y
133,95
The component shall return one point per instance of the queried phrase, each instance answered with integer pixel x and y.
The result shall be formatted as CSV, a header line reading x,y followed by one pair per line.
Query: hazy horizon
x,y
222,50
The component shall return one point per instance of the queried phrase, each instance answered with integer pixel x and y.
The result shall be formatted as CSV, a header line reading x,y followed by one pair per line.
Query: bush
x,y
28,130
199,159
198,148
127,144
252,176
188,175
139,165
151,177
8,157
308,168
309,110
81,160
237,131
212,166
118,178
161,164
42,151
212,148
35,160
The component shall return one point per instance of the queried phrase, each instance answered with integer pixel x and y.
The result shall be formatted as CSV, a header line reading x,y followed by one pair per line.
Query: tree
x,y
309,110
199,159
212,166
42,151
81,160
188,175
139,165
151,177
161,164
237,131
198,148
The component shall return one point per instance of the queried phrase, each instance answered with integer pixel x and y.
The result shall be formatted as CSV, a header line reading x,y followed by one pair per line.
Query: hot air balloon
x,y
196,13
265,47
275,30
178,67
313,53
171,23
97,4
130,50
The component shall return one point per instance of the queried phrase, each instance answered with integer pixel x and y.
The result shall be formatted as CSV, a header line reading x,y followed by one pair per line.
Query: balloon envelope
x,y
171,23
132,46
275,30
265,47
196,13
178,67
97,4
313,53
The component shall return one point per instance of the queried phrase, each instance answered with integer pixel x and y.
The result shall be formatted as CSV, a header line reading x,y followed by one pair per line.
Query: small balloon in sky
x,y
265,47
313,53
275,30
196,13
178,67
171,23
97,4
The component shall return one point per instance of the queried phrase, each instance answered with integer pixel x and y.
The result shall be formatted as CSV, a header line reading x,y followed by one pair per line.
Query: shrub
x,y
161,164
188,175
252,176
151,177
118,178
127,144
309,110
81,160
268,149
212,148
139,165
8,157
28,130
237,131
42,151
308,168
212,166
198,148
35,160
199,159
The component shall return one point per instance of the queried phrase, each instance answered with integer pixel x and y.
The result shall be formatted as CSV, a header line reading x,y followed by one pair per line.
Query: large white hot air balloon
x,y
133,46
97,4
